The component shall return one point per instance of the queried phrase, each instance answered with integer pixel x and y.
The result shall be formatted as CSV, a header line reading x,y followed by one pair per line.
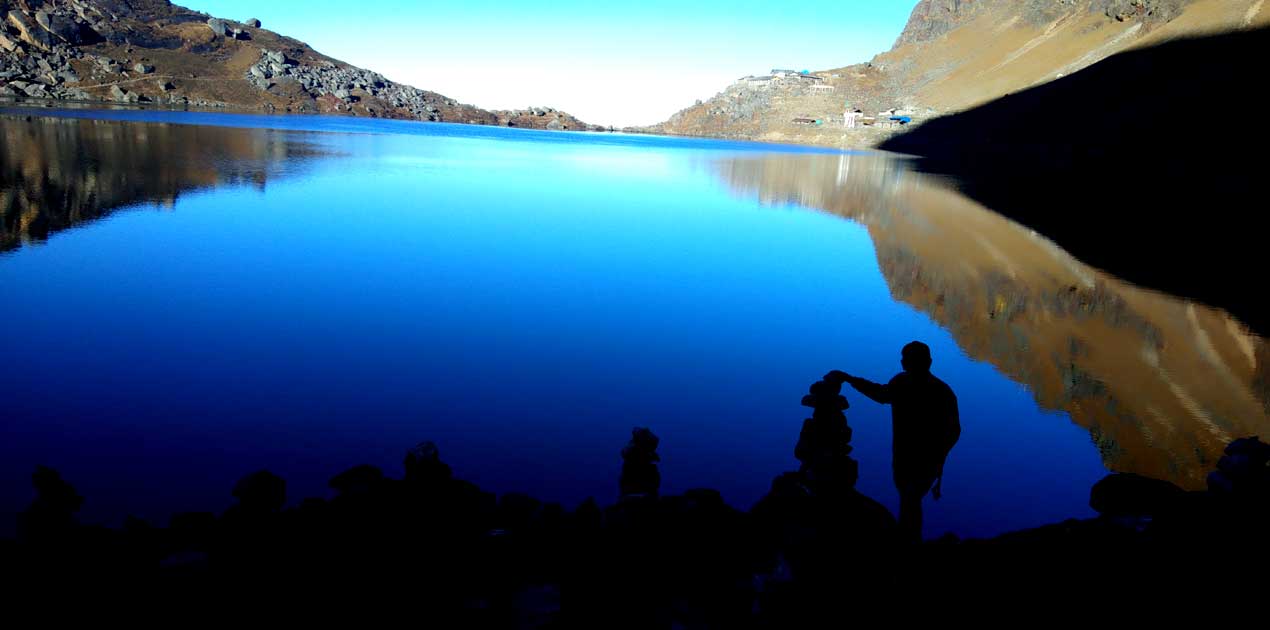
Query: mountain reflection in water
x,y
58,172
326,297
1162,384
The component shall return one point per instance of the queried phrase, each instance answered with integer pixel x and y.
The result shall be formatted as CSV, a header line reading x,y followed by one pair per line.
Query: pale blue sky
x,y
607,63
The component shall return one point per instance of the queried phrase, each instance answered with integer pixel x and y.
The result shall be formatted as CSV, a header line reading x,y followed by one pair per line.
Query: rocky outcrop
x,y
1156,11
543,118
933,18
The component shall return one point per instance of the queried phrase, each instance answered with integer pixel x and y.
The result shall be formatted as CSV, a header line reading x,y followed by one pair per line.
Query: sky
x,y
610,63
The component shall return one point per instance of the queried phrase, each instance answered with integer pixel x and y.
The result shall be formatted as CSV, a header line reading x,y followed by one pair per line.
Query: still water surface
x,y
192,297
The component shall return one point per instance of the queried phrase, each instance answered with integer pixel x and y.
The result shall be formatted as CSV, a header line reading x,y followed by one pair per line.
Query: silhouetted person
x,y
924,425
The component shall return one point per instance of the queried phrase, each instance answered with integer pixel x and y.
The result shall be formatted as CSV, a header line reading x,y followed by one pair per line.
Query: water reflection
x,y
58,172
1162,384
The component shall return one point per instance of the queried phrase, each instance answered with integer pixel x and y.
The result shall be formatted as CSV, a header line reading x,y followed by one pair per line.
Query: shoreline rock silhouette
x,y
813,548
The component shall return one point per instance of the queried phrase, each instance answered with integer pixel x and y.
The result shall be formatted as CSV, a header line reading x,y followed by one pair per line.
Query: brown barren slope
x,y
151,51
954,55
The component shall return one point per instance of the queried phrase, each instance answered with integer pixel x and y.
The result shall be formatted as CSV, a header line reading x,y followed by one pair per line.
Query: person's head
x,y
915,357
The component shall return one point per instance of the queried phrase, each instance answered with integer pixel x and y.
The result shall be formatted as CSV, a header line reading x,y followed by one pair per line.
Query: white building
x,y
851,118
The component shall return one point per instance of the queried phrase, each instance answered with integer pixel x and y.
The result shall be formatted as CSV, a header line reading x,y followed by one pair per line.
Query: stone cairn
x,y
640,477
824,445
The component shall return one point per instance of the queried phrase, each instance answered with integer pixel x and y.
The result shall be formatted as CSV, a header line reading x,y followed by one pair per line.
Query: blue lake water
x,y
206,295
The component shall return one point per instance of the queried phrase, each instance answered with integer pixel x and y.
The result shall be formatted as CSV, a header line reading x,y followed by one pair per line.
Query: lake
x,y
192,297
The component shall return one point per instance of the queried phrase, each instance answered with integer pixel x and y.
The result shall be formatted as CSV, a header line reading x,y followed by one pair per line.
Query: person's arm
x,y
878,392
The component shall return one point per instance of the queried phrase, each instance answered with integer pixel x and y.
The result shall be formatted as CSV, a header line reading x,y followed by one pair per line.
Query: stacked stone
x,y
824,445
640,477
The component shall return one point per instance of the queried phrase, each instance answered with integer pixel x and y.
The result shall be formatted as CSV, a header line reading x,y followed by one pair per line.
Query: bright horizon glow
x,y
606,64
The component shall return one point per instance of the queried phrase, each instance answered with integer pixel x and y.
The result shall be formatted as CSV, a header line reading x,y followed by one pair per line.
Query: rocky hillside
x,y
151,51
953,55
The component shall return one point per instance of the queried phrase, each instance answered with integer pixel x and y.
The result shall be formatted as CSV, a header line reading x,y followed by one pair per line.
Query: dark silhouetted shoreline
x,y
812,549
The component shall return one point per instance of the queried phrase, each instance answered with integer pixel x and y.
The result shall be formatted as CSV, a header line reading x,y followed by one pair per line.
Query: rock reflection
x,y
1161,383
58,172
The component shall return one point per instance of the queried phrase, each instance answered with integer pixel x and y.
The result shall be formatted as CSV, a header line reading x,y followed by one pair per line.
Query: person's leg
x,y
911,513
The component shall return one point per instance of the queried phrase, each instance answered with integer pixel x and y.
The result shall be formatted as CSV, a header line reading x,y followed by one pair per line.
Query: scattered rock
x,y
253,22
6,43
143,68
123,96
219,27
1127,494
30,33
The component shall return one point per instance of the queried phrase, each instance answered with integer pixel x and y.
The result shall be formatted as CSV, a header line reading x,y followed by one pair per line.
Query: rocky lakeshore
x,y
813,549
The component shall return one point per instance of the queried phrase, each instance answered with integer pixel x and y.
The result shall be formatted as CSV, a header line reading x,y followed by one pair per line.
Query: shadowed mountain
x,y
1162,384
58,172
1144,164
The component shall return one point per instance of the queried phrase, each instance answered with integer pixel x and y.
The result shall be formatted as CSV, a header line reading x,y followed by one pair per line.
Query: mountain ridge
x,y
155,52
951,56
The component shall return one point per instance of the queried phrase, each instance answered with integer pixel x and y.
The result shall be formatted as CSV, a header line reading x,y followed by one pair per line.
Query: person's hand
x,y
837,376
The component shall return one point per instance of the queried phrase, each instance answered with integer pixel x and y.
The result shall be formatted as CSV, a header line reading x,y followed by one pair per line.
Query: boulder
x,y
358,480
261,491
218,26
121,95
30,33
36,90
105,30
423,464
344,94
1127,494
253,22
1244,469
143,68
6,43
